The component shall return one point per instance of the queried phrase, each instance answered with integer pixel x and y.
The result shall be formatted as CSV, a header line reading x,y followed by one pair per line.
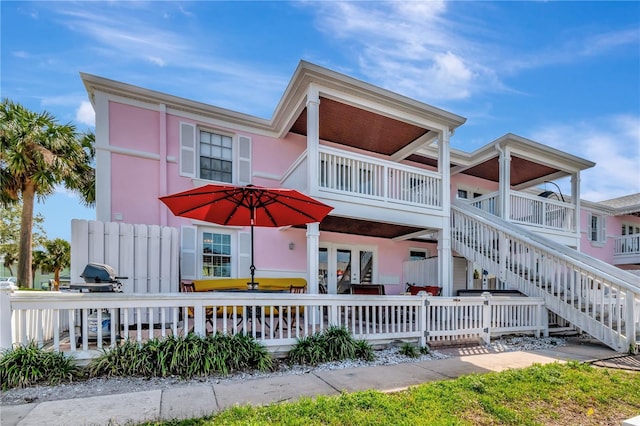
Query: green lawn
x,y
553,394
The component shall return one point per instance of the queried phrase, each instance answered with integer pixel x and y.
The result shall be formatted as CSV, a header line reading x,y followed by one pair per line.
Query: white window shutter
x,y
187,150
603,229
244,254
244,160
188,252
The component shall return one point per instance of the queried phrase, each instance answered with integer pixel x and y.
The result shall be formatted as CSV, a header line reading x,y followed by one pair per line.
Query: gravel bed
x,y
107,386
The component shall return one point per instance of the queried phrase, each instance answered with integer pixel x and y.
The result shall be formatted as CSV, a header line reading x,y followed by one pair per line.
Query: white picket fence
x,y
275,319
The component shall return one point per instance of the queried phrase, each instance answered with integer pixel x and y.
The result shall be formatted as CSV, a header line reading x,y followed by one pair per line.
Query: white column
x,y
313,244
504,185
575,196
313,138
445,269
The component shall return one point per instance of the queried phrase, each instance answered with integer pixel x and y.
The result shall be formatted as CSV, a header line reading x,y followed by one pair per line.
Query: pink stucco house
x,y
382,160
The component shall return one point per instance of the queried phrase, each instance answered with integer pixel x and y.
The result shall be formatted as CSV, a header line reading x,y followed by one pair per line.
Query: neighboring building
x,y
382,160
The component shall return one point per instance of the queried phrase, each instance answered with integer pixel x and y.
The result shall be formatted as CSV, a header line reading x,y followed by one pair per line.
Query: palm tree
x,y
36,154
38,261
57,256
8,259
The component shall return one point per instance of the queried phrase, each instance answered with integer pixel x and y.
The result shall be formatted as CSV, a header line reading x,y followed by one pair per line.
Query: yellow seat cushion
x,y
241,283
221,284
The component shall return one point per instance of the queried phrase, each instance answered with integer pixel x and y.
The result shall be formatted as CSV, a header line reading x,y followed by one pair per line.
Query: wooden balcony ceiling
x,y
364,227
355,127
522,170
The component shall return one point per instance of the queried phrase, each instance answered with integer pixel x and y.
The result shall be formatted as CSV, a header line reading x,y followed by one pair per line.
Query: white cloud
x,y
430,51
85,114
613,143
158,61
411,47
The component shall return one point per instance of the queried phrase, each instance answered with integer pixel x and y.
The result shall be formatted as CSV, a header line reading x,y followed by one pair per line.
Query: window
x,y
595,229
210,155
462,193
417,254
216,157
216,255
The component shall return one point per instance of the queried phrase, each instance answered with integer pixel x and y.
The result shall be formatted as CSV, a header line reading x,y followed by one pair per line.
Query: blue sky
x,y
565,74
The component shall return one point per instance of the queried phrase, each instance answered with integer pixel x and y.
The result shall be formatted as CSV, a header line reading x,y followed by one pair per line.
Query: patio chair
x,y
375,289
294,311
429,289
369,289
210,315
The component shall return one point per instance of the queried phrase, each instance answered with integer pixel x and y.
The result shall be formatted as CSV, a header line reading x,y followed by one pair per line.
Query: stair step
x,y
563,331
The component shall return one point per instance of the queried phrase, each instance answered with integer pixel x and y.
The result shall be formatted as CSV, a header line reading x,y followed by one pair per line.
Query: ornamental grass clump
x,y
183,356
408,350
334,344
23,366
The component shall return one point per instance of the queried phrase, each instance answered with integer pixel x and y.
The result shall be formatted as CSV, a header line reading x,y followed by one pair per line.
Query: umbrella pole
x,y
252,268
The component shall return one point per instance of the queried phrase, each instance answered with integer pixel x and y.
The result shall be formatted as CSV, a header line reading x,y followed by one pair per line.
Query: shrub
x,y
364,350
23,366
407,349
183,356
334,344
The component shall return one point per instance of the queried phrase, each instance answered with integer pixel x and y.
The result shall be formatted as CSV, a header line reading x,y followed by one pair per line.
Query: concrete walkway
x,y
192,401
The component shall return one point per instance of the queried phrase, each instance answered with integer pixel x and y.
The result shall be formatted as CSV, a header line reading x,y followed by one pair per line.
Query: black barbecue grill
x,y
99,277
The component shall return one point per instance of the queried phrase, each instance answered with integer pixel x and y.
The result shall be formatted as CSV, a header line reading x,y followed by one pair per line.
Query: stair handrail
x,y
603,269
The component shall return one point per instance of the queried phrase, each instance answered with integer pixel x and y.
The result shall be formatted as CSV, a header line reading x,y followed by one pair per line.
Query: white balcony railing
x,y
538,211
628,244
531,210
358,175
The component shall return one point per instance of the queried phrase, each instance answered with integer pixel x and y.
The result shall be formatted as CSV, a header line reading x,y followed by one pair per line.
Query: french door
x,y
340,266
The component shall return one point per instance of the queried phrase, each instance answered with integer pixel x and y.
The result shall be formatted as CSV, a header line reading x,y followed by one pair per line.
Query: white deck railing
x,y
347,172
527,209
628,244
274,319
592,295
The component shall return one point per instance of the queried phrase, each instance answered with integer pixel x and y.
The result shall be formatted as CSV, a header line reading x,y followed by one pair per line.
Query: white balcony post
x,y
313,244
575,195
445,263
505,182
6,339
313,138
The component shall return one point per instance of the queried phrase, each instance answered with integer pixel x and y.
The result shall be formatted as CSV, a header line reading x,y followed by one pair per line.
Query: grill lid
x,y
99,273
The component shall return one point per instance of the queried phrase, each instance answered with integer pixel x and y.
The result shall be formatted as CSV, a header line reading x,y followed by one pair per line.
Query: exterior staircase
x,y
592,296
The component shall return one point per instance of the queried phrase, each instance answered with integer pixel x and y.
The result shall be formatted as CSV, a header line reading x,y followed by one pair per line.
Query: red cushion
x,y
434,290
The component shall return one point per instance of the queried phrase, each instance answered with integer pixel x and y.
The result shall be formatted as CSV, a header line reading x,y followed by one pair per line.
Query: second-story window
x,y
216,157
595,229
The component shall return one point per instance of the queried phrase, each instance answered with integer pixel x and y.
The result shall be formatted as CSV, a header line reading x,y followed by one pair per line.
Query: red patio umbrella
x,y
247,206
